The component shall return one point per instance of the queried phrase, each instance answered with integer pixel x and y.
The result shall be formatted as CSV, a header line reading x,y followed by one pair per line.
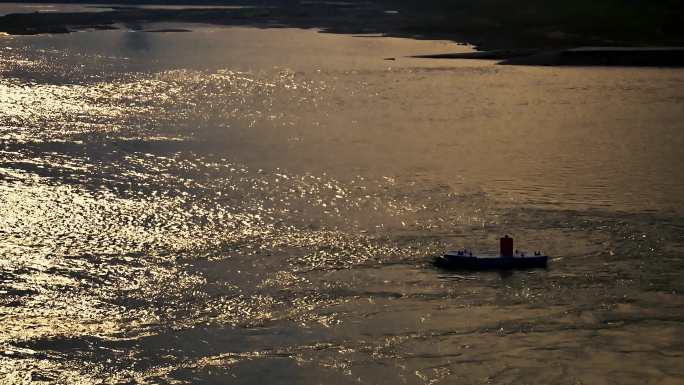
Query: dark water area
x,y
7,8
238,205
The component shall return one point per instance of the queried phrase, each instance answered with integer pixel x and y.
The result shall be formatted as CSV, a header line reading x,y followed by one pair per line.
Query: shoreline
x,y
579,57
523,48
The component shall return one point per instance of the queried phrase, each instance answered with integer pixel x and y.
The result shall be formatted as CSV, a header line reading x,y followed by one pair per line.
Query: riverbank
x,y
582,56
488,26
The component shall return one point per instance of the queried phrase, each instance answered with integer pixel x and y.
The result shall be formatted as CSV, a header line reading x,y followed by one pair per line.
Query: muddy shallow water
x,y
236,205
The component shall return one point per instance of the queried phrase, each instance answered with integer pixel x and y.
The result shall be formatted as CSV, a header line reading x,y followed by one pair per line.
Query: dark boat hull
x,y
490,263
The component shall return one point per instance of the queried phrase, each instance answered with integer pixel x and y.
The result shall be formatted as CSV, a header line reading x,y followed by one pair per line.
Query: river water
x,y
247,206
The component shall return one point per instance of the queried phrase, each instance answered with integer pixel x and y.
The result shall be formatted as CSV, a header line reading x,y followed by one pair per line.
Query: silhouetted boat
x,y
490,262
507,260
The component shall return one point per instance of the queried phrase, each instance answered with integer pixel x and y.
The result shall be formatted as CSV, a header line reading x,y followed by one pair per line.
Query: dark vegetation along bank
x,y
510,26
554,23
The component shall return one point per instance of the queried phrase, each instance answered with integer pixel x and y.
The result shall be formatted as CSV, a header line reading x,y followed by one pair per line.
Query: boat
x,y
508,259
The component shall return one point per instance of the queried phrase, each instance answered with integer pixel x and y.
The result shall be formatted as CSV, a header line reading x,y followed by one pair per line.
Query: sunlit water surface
x,y
260,206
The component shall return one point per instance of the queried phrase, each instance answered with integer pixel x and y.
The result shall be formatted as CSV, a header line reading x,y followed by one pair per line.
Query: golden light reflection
x,y
160,225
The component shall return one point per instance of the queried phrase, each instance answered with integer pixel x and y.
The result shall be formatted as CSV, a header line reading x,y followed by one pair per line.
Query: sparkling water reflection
x,y
249,217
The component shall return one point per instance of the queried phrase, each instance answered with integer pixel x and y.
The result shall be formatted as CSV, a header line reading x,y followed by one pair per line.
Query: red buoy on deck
x,y
506,246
